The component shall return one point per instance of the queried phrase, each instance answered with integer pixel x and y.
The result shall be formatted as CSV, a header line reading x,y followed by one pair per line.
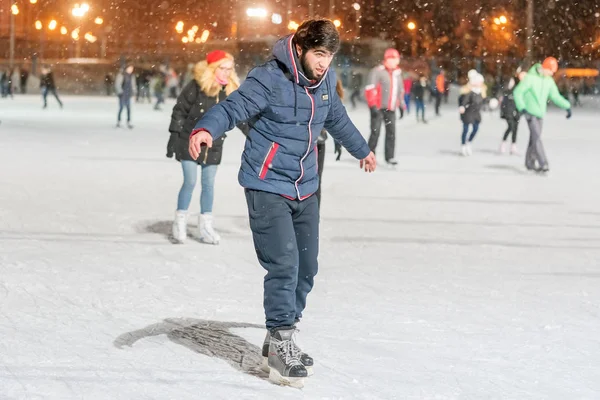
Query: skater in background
x,y
23,79
440,89
471,102
158,84
384,94
109,84
321,145
48,85
214,80
357,84
509,112
289,100
408,82
417,93
575,91
125,86
531,98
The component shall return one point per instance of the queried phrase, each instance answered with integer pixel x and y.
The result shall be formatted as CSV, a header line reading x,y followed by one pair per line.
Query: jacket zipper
x,y
312,114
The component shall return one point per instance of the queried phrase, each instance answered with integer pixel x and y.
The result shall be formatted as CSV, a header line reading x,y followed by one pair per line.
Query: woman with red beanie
x,y
214,80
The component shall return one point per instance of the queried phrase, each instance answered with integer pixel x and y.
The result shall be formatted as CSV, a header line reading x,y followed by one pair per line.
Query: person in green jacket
x,y
531,97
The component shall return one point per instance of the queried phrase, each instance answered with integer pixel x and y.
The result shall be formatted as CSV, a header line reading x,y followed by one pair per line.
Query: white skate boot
x,y
206,231
180,226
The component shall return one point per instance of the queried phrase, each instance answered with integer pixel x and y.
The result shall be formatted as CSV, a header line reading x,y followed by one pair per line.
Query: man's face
x,y
129,69
315,61
391,62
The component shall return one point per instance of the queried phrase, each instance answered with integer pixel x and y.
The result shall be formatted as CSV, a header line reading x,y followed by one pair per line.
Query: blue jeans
x,y
407,102
420,105
190,177
45,91
286,240
124,102
466,130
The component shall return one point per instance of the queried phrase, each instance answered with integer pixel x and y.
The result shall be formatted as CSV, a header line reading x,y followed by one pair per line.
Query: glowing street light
x,y
185,39
412,26
14,9
179,27
293,26
256,12
38,25
204,36
497,21
33,1
98,21
63,30
80,11
276,19
52,25
356,6
503,19
337,23
90,38
75,34
195,28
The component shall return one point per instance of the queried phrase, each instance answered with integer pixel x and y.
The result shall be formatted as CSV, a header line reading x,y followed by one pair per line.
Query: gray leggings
x,y
535,150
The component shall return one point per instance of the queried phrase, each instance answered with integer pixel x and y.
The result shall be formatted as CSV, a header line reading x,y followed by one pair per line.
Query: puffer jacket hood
x,y
284,52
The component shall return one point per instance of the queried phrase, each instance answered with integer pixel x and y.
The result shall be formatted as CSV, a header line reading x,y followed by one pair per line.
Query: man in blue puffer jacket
x,y
287,102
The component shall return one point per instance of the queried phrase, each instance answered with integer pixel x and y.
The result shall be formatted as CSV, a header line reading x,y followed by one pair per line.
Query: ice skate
x,y
305,359
180,226
503,147
469,149
513,150
206,232
284,363
464,151
392,163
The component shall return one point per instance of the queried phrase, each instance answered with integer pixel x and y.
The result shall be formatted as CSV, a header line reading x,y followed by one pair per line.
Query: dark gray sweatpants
x,y
535,150
286,240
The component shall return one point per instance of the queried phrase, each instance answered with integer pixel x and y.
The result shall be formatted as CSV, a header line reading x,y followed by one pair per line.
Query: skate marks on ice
x,y
209,338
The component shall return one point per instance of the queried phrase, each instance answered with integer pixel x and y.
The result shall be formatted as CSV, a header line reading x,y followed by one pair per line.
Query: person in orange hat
x,y
214,80
384,94
531,97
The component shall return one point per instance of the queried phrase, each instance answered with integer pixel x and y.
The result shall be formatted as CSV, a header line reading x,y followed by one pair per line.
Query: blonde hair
x,y
204,74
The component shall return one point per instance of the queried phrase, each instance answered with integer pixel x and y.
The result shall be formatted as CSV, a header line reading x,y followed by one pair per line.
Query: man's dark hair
x,y
317,33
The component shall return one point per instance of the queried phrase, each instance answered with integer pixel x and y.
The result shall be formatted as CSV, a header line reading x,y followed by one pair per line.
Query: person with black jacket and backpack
x,y
214,80
509,112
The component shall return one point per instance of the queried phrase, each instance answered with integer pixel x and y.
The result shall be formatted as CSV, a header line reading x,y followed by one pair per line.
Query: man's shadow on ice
x,y
210,338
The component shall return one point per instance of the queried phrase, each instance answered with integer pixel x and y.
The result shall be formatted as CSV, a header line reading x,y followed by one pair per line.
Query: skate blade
x,y
276,378
264,367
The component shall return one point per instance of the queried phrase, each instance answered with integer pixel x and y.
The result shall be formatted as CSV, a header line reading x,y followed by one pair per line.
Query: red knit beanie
x,y
215,56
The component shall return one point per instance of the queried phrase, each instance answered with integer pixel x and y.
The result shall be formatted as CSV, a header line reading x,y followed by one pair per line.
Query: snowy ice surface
x,y
448,278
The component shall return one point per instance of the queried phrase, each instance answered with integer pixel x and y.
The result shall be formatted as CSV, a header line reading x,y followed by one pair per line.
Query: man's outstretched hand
x,y
199,139
369,163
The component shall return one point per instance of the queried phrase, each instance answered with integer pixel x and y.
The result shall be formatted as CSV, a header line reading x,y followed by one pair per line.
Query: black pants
x,y
389,119
320,165
286,240
513,126
355,96
438,103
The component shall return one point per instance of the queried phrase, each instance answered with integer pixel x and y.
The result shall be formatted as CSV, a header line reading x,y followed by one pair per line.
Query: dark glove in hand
x,y
569,114
171,145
